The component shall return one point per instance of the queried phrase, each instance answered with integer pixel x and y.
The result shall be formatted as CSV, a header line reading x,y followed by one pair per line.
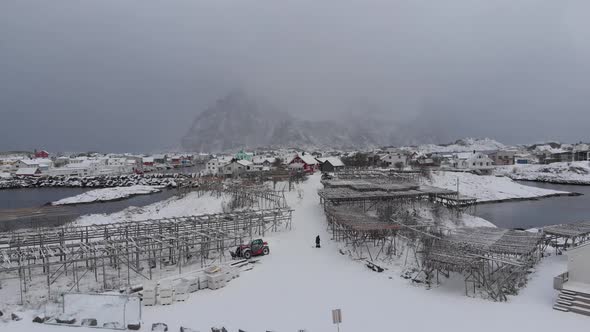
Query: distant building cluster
x,y
42,163
481,160
243,163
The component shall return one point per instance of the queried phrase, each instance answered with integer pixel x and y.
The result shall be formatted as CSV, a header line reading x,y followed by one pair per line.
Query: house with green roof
x,y
241,155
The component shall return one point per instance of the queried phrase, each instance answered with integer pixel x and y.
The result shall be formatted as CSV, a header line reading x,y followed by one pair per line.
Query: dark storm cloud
x,y
131,75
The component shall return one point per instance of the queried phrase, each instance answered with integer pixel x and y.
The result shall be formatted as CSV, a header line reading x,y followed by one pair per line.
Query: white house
x,y
581,152
119,166
214,166
83,167
472,161
42,164
8,165
392,159
236,168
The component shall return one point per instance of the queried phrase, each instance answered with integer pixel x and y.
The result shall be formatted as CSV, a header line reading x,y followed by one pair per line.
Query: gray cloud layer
x,y
131,75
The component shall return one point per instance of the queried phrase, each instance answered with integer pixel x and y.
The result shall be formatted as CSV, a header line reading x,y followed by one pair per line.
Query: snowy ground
x,y
108,194
297,285
568,173
191,204
488,188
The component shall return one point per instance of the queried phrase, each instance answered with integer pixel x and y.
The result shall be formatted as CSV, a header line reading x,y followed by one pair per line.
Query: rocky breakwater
x,y
173,180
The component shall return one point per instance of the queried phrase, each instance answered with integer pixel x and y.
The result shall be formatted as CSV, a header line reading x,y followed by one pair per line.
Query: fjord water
x,y
541,212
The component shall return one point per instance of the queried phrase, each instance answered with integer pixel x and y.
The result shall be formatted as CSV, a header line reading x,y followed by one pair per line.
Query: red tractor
x,y
255,248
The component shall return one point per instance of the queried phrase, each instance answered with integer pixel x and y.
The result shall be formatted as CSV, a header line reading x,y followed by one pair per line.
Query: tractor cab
x,y
255,248
256,245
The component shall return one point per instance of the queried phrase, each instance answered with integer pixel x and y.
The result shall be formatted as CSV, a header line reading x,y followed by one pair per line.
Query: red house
x,y
304,161
41,154
148,161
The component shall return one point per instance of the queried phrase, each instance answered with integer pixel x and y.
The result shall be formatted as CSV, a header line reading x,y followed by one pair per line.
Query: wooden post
x,y
48,282
104,276
76,276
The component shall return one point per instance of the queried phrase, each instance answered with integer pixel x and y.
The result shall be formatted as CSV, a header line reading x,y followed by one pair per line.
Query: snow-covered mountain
x,y
240,121
463,145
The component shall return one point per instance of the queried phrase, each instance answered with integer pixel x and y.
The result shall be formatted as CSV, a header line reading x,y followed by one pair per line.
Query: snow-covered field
x,y
577,172
488,188
297,286
108,194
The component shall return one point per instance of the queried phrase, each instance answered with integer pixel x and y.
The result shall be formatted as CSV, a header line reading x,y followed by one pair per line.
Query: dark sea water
x,y
542,212
35,197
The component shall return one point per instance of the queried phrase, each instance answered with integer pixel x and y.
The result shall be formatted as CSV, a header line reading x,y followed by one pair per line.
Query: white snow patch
x,y
487,187
108,194
577,172
193,203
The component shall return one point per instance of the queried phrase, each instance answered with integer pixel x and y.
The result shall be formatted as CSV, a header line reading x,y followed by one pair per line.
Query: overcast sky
x,y
124,75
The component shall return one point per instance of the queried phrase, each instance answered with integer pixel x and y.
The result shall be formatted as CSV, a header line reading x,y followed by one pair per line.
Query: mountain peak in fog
x,y
239,121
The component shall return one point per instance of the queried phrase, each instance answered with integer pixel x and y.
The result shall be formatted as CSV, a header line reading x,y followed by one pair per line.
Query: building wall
x,y
578,266
393,158
326,167
503,158
475,161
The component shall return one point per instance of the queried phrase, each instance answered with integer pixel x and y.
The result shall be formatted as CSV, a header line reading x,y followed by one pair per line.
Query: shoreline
x,y
577,183
109,200
536,198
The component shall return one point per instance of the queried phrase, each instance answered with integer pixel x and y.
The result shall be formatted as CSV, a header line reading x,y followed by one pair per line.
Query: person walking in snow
x,y
317,242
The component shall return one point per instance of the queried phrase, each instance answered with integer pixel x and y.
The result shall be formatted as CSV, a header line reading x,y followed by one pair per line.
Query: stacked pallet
x,y
168,291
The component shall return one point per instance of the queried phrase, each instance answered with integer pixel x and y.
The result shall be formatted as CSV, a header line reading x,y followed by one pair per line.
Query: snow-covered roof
x,y
244,162
148,159
259,159
37,161
582,147
464,155
334,161
308,159
29,162
549,149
